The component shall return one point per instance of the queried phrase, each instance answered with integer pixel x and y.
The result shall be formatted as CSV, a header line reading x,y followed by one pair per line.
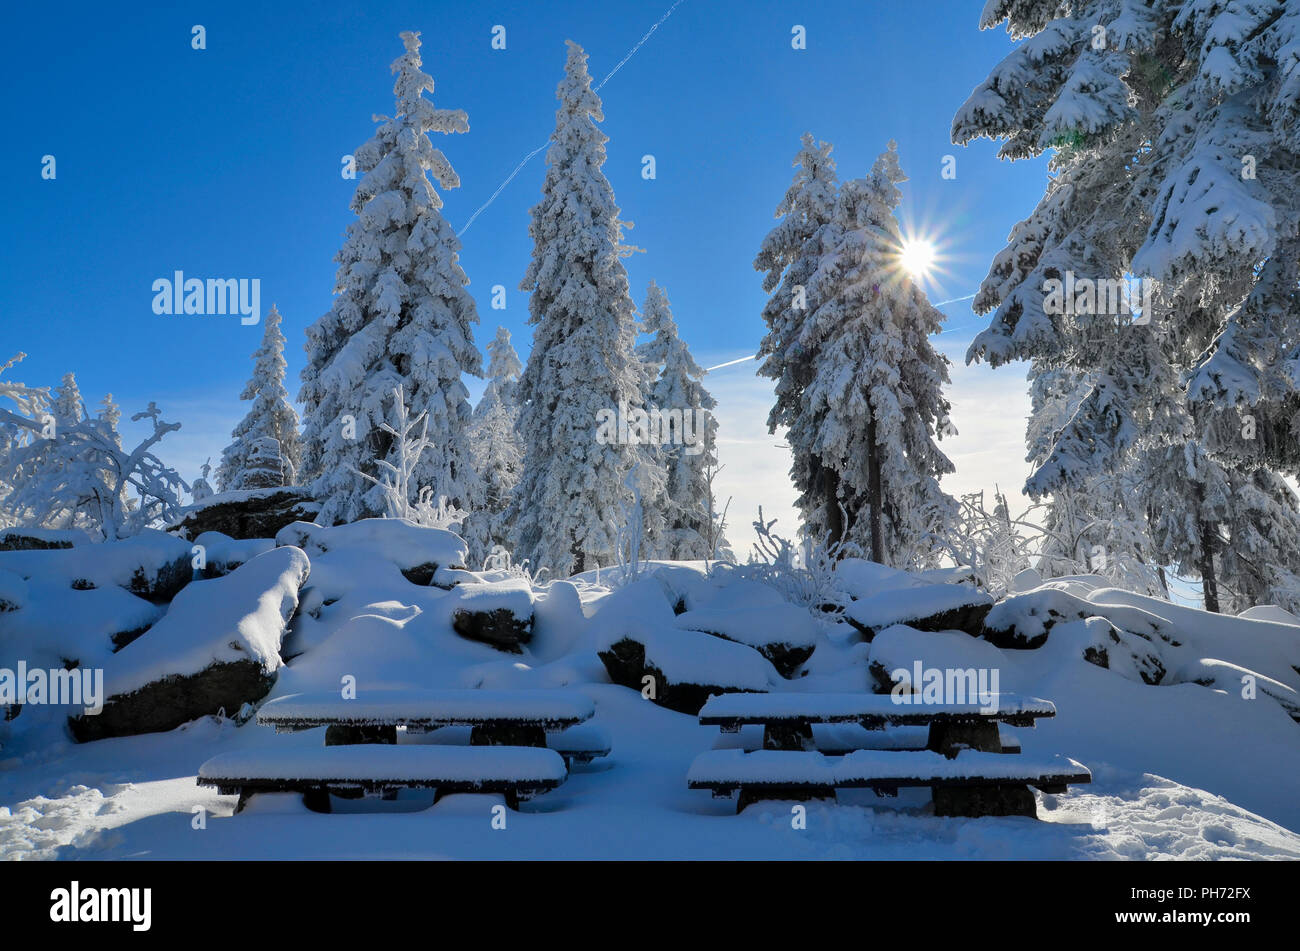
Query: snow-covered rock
x,y
223,554
218,647
152,564
499,614
783,633
247,513
931,607
13,591
417,551
28,539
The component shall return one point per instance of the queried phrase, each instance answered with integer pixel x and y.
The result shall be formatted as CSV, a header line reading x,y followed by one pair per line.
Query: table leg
x,y
787,735
950,737
507,735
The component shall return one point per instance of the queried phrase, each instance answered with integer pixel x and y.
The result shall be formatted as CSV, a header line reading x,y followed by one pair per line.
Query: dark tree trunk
x,y
579,557
874,494
831,503
1209,583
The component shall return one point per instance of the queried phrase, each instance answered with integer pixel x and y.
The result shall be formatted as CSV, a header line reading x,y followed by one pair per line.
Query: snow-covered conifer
x,y
1176,163
270,417
871,413
402,318
788,258
497,447
582,366
688,433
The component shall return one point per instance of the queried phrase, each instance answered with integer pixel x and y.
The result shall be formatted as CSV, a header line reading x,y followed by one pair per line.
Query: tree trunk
x,y
1209,583
831,504
579,557
874,494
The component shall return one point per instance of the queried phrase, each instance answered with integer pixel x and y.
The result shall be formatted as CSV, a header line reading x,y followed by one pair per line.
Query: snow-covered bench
x,y
787,718
836,739
971,784
496,717
578,744
516,772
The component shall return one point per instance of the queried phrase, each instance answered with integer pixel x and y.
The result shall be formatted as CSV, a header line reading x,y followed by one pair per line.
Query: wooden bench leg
x,y
975,801
787,736
244,796
507,736
950,738
338,735
752,794
317,800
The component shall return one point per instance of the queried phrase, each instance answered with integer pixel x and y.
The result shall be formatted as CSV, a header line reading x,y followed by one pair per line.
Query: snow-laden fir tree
x,y
874,408
1096,525
1176,161
496,445
688,435
402,318
68,407
247,463
565,509
788,257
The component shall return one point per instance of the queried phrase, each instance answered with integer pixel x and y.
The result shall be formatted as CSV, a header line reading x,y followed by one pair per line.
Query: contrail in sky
x,y
528,158
732,363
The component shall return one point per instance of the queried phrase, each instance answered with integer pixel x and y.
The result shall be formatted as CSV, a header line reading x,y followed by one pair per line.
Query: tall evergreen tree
x,y
565,510
68,406
403,317
1176,161
270,417
874,408
788,257
688,437
497,448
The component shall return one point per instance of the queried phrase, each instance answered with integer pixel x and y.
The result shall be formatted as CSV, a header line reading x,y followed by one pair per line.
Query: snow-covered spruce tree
x,y
497,448
688,433
788,257
565,509
402,317
68,407
874,408
1097,524
270,417
1177,162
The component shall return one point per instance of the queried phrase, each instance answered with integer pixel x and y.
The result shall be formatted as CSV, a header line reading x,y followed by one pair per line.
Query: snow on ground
x,y
1180,769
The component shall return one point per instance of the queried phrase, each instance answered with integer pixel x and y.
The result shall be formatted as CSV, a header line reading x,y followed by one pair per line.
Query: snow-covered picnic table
x,y
982,780
787,718
496,717
515,772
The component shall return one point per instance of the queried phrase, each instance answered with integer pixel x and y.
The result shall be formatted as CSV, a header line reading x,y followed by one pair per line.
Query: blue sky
x,y
225,162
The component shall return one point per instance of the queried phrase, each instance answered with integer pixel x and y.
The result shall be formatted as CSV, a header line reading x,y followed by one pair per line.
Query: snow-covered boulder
x,y
498,613
153,565
13,591
783,633
223,554
635,634
29,539
685,668
417,551
930,607
218,647
247,513
900,647
60,627
1128,654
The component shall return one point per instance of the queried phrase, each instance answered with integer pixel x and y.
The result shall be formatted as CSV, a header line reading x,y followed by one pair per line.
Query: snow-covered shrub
x,y
803,575
72,471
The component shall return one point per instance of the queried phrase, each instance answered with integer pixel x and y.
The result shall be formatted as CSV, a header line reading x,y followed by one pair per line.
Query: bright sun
x,y
917,257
